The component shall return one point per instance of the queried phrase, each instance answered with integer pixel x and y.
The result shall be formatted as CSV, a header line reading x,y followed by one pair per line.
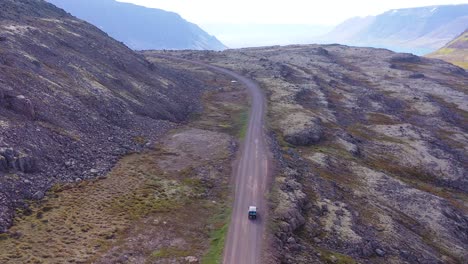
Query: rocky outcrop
x,y
311,134
460,222
349,143
288,217
288,214
288,207
405,58
12,160
19,104
22,105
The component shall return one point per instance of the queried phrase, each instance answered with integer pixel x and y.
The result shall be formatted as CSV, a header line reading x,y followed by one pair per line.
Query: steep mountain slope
x,y
139,27
417,30
372,153
73,100
456,51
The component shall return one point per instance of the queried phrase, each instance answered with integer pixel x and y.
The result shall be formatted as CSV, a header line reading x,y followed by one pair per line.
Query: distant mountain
x,y
139,27
416,30
456,51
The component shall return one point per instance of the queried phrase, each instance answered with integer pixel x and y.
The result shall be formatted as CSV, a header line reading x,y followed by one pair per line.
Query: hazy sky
x,y
323,12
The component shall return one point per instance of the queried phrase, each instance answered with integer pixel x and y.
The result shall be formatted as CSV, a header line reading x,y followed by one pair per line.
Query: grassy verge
x,y
217,238
242,123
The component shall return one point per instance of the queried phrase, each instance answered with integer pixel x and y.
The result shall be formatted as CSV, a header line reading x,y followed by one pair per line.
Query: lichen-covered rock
x,y
309,135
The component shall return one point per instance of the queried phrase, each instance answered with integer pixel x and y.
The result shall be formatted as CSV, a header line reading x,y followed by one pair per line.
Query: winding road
x,y
245,237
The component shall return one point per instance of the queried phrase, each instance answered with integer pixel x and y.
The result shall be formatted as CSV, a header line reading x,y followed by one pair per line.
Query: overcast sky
x,y
323,12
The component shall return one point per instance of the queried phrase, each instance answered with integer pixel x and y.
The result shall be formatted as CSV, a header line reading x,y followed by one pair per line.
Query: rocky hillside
x,y
371,153
416,30
456,51
140,27
73,100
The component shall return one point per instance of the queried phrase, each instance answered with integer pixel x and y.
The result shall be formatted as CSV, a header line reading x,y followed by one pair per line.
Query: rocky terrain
x,y
419,30
73,100
139,27
371,148
456,51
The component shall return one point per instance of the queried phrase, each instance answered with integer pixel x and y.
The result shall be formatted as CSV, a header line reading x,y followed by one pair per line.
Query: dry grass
x,y
76,223
225,111
380,119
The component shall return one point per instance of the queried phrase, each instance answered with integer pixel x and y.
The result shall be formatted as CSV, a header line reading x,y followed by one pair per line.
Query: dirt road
x,y
245,237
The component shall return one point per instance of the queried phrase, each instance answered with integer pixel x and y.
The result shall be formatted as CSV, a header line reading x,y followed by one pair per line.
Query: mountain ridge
x,y
418,30
140,27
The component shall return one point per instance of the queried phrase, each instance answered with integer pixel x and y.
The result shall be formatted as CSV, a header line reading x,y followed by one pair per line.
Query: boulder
x,y
25,164
349,146
22,105
38,195
380,252
11,159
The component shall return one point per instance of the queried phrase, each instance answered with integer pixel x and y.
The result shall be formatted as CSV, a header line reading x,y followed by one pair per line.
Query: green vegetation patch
x,y
242,124
445,51
217,237
332,257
